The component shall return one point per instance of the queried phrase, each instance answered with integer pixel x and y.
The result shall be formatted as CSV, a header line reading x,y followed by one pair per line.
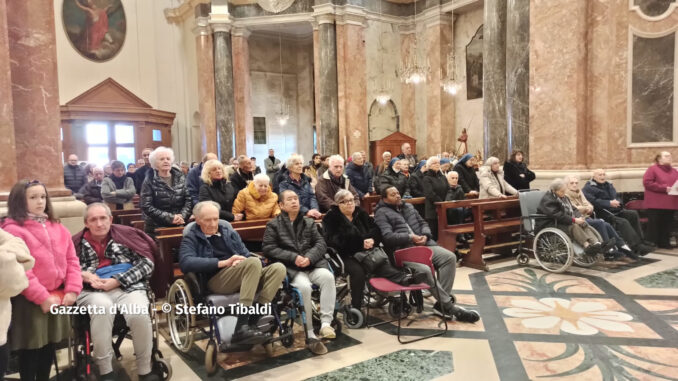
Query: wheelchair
x,y
81,346
219,325
553,249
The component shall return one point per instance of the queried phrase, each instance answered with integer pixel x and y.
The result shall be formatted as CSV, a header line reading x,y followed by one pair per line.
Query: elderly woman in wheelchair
x,y
226,280
558,223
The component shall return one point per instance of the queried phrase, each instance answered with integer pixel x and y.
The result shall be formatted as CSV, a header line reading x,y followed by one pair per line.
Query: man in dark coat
x,y
406,153
416,180
141,172
393,177
468,179
401,227
331,182
126,255
193,180
243,175
360,175
272,164
602,194
74,175
91,192
211,247
295,241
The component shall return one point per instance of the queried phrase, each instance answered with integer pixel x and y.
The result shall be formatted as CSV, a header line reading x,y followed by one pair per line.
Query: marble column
x,y
559,84
206,102
352,87
439,104
327,114
494,79
518,75
8,152
407,106
35,92
223,89
242,89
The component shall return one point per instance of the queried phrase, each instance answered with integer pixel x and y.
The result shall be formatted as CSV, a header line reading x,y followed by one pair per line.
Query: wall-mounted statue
x,y
95,28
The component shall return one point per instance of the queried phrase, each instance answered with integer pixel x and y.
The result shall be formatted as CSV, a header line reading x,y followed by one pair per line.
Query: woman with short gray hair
x,y
165,201
492,183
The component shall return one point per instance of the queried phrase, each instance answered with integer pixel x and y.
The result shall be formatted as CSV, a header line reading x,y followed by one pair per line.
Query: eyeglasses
x,y
351,201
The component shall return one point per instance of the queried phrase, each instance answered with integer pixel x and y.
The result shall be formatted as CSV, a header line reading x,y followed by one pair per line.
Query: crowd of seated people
x,y
108,264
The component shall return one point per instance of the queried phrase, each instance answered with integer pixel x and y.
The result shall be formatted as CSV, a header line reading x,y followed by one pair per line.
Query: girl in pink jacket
x,y
54,280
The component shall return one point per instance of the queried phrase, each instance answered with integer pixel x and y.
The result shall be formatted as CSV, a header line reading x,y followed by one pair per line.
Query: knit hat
x,y
465,158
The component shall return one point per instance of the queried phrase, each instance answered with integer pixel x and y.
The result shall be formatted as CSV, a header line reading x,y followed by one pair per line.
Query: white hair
x,y
336,158
491,160
293,159
356,154
383,155
557,184
154,155
261,178
342,194
202,204
452,173
431,160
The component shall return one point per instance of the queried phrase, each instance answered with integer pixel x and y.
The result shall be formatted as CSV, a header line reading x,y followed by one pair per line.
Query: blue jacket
x,y
193,182
600,196
361,178
307,200
196,254
395,224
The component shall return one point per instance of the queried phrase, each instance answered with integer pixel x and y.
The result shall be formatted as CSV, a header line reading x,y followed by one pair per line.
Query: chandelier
x,y
413,71
449,83
283,116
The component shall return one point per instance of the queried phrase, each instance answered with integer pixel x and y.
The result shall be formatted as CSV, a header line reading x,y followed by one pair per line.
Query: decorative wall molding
x,y
179,14
629,96
667,13
202,27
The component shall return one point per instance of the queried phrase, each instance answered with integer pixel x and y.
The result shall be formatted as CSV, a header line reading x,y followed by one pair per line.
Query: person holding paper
x,y
661,199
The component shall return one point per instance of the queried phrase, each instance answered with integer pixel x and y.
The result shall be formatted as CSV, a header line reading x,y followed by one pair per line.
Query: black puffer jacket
x,y
392,179
159,203
393,223
435,190
416,184
561,211
347,236
468,179
454,194
91,192
512,172
284,240
74,177
240,180
222,193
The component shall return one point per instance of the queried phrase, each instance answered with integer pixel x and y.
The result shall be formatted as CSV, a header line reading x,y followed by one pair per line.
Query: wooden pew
x,y
139,224
235,224
369,203
117,213
494,220
126,219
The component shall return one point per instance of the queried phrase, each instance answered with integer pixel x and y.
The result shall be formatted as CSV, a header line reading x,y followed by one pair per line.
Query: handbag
x,y
108,271
371,259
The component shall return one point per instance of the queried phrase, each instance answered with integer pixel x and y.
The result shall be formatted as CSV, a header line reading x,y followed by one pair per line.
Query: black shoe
x,y
609,245
462,314
447,314
110,376
613,256
149,377
642,249
592,249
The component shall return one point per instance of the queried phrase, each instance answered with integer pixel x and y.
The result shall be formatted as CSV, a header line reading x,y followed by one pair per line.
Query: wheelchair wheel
x,y
180,325
353,318
523,259
553,250
211,357
285,328
581,259
396,308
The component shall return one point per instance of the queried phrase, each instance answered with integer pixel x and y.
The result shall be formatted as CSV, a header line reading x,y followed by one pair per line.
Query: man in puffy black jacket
x,y
295,241
74,176
602,194
401,227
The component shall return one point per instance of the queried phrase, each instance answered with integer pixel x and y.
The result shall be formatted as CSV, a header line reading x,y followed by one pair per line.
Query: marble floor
x,y
614,321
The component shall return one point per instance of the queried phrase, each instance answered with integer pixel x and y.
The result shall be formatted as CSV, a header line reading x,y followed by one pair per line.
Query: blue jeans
x,y
606,230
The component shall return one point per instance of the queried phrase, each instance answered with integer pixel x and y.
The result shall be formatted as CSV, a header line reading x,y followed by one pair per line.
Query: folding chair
x,y
418,254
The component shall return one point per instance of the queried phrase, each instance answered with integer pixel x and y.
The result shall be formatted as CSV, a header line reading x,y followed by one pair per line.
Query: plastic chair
x,y
418,254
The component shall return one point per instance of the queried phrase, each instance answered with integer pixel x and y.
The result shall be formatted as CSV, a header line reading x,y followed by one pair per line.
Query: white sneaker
x,y
327,332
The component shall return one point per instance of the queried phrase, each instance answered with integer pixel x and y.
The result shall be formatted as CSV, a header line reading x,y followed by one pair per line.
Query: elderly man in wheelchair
x,y
214,250
556,211
116,263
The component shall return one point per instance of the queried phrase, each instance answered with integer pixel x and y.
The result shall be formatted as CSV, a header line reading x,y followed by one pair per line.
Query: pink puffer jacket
x,y
56,264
